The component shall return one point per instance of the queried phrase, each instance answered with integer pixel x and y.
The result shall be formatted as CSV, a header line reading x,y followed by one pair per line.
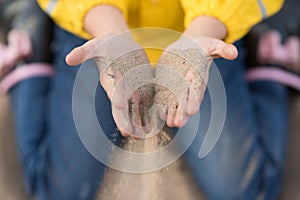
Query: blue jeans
x,y
248,159
246,162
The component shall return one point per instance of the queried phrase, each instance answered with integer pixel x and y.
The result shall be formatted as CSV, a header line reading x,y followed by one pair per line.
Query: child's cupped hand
x,y
123,65
184,69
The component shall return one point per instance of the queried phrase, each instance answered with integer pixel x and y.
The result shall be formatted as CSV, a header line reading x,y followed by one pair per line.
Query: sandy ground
x,y
175,182
292,173
11,185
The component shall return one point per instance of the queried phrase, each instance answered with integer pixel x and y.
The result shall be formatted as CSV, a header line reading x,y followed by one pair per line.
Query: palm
x,y
184,68
121,63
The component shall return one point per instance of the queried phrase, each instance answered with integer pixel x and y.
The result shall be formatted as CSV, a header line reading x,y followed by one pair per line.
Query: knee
x,y
227,177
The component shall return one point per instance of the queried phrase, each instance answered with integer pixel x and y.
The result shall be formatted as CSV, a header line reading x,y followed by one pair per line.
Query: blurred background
x,y
11,182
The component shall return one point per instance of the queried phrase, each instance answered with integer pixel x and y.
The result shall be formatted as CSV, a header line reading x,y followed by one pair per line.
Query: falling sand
x,y
173,182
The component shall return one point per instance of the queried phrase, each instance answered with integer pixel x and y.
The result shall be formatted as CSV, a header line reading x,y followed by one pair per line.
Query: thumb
x,y
82,53
224,50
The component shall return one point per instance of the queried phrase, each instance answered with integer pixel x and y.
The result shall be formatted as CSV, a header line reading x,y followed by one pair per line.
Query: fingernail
x,y
231,52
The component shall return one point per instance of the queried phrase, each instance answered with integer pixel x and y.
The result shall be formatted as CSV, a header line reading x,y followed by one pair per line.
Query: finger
x,y
119,108
123,133
229,52
147,124
193,100
171,116
82,53
20,42
24,45
180,117
77,56
18,47
292,47
121,117
163,114
192,103
161,107
276,49
118,98
135,137
269,45
146,107
135,115
145,118
10,58
223,50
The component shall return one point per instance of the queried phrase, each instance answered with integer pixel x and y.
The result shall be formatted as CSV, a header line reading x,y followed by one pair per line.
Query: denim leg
x,y
247,161
270,101
28,101
56,164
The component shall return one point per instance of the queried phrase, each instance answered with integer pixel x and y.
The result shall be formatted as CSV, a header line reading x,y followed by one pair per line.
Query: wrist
x,y
206,26
104,20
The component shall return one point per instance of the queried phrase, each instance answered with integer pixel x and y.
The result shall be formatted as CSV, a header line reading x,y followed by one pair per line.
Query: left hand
x,y
184,68
272,51
18,48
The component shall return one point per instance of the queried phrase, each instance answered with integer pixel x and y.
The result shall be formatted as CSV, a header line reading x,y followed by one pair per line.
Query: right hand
x,y
18,48
122,63
272,51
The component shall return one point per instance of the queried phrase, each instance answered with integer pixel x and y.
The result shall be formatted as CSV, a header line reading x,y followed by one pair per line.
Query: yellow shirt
x,y
238,15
